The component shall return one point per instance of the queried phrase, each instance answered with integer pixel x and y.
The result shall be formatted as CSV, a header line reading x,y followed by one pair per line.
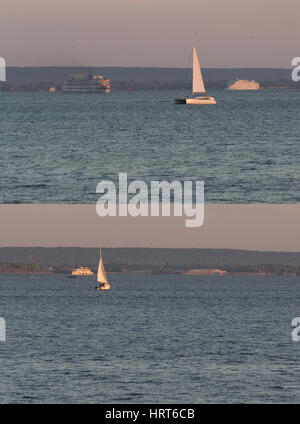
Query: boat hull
x,y
104,286
200,101
179,101
196,101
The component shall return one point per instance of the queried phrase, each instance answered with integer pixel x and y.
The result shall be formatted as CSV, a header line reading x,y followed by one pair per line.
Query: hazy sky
x,y
237,33
254,227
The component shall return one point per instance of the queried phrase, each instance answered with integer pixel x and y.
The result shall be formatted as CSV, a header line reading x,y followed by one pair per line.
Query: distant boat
x,y
199,96
83,270
101,275
243,85
86,83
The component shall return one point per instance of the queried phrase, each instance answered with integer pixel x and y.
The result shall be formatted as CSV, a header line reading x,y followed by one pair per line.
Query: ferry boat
x,y
86,83
243,85
83,270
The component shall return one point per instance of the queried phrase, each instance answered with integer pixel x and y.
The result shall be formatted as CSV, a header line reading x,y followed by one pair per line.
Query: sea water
x,y
56,147
151,338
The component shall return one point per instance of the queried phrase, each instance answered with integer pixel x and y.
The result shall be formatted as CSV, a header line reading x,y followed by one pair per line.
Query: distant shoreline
x,y
123,86
33,78
203,272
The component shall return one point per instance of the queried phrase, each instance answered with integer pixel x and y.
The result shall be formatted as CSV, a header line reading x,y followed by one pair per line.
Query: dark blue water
x,y
57,147
150,339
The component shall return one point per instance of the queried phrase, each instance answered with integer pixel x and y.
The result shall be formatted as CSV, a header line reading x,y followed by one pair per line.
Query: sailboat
x,y
199,96
101,276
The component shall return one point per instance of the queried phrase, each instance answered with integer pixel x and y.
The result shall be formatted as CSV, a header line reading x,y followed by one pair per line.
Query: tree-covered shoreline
x,y
168,268
29,268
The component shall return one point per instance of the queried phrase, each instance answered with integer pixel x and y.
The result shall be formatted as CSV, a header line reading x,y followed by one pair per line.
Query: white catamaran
x,y
101,276
199,96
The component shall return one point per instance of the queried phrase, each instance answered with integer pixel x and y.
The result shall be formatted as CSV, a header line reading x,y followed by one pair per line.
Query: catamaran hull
x,y
201,101
103,287
179,101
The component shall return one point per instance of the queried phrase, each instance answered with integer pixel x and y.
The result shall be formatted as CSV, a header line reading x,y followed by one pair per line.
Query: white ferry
x,y
243,85
83,270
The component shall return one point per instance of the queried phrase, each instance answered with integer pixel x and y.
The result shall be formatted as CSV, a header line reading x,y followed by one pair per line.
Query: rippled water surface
x,y
57,147
150,339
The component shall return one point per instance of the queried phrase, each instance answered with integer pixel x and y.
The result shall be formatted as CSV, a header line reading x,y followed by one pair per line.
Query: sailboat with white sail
x,y
199,96
103,283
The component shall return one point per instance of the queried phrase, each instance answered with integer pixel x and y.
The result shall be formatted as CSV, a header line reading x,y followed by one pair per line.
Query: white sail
x,y
101,276
198,85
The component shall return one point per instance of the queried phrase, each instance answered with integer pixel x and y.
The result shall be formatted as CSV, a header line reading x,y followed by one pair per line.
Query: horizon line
x,y
141,247
144,67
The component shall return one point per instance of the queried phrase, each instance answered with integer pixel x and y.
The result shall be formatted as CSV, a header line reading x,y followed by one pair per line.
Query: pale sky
x,y
160,33
253,227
